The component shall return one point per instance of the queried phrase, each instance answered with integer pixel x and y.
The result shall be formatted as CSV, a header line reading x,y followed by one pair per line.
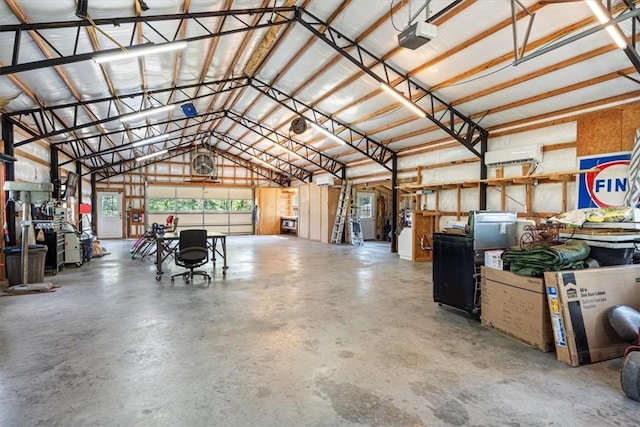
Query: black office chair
x,y
192,253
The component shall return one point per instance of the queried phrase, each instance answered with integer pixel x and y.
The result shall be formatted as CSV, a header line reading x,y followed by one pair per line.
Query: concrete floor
x,y
298,334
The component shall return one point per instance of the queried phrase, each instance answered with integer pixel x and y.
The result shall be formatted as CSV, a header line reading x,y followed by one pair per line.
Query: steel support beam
x,y
264,172
207,118
284,166
629,50
54,174
45,119
9,175
16,32
308,153
215,86
454,123
483,175
356,139
94,204
129,165
79,187
394,203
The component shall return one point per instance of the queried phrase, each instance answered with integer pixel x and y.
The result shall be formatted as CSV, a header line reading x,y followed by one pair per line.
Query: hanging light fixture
x,y
135,52
150,140
152,155
398,96
145,113
325,132
604,17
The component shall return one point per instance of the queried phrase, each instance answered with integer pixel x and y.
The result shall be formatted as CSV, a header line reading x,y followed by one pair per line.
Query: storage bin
x,y
35,273
611,256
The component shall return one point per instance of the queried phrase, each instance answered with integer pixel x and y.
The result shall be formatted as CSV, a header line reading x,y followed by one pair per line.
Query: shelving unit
x,y
289,225
135,222
288,211
418,239
529,181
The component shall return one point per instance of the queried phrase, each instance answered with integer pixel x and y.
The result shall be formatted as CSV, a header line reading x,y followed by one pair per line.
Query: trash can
x,y
35,274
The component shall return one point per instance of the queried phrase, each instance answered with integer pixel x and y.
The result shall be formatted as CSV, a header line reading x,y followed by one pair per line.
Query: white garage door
x,y
226,210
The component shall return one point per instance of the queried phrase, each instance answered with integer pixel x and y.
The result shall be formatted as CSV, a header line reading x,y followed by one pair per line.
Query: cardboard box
x,y
579,303
493,259
517,307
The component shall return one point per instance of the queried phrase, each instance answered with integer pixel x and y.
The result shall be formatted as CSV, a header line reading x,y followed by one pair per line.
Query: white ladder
x,y
341,212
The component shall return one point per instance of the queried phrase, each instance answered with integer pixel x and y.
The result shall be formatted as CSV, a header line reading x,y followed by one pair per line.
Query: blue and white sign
x,y
607,186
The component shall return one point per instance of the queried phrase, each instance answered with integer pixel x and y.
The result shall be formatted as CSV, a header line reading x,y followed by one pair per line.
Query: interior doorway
x,y
110,216
366,211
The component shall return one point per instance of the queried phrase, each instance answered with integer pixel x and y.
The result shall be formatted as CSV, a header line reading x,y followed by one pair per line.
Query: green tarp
x,y
535,261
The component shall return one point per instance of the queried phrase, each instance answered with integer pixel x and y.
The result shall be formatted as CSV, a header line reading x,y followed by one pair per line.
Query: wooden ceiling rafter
x,y
58,70
213,46
382,20
485,92
95,43
457,79
359,74
323,69
290,63
555,92
232,99
577,109
514,104
176,67
482,67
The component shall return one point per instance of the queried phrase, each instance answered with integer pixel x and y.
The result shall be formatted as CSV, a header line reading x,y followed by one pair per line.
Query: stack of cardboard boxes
x,y
567,310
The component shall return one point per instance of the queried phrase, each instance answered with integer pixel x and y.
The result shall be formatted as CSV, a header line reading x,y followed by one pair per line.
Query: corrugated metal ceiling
x,y
318,58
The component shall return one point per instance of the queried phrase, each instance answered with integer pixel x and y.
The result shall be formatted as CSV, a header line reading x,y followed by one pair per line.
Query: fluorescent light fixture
x,y
151,140
604,17
136,52
266,164
152,155
148,112
406,102
288,150
327,133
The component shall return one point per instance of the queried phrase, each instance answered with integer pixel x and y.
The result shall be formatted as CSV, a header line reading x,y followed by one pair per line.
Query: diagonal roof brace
x,y
45,119
452,121
358,140
629,50
307,152
282,180
16,32
206,118
283,165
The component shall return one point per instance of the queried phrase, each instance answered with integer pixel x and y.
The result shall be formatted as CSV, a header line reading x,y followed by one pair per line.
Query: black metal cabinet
x,y
54,260
454,272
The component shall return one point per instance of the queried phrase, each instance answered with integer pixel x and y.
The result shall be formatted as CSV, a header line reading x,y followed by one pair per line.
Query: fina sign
x,y
607,186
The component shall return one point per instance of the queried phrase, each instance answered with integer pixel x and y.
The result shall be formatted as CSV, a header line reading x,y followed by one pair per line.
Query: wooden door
x,y
268,221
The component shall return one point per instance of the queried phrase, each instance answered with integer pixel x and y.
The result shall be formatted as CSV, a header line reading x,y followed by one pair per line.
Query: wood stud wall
x,y
606,131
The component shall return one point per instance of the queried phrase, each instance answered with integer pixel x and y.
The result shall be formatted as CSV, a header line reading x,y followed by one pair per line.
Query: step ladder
x,y
341,212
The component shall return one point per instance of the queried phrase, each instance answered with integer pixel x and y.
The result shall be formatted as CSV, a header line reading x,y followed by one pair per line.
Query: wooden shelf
x,y
289,225
529,181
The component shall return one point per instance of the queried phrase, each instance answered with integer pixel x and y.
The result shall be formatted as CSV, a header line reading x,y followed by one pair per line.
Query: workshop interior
x,y
480,159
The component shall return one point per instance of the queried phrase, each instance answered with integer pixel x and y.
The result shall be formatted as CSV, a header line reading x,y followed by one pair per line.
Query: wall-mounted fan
x,y
204,164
